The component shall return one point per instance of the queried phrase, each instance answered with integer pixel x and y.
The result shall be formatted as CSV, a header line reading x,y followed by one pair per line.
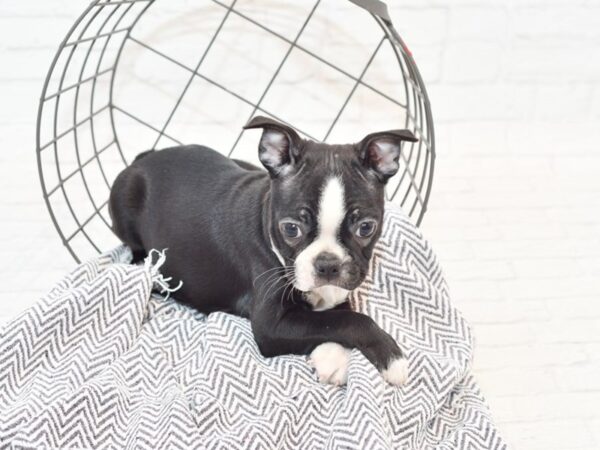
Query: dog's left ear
x,y
279,145
381,151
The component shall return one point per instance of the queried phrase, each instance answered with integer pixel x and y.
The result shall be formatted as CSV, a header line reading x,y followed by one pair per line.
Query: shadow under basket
x,y
132,75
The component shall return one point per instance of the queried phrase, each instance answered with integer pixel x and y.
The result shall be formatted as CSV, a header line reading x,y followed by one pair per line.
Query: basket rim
x,y
376,8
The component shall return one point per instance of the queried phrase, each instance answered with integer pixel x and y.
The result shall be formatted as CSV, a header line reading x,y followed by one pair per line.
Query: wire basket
x,y
137,74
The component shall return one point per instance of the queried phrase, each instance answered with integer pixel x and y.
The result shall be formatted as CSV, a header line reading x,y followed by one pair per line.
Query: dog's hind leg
x,y
127,200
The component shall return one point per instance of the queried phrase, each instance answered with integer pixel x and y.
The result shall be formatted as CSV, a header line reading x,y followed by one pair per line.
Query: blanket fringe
x,y
154,268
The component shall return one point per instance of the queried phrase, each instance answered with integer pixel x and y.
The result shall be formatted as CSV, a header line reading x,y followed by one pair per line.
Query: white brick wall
x,y
515,89
514,210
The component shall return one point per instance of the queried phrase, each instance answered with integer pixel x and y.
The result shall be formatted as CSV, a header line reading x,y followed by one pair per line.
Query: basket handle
x,y
375,7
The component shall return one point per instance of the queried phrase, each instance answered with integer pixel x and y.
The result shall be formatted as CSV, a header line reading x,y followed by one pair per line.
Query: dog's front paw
x,y
396,372
330,360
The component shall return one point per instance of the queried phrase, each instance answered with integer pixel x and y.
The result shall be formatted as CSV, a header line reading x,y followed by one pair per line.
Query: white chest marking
x,y
326,297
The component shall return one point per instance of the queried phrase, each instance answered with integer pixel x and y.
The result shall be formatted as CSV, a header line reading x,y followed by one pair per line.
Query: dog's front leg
x,y
327,336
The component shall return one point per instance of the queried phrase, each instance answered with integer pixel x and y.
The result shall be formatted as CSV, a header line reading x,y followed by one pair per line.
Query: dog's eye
x,y
291,230
366,229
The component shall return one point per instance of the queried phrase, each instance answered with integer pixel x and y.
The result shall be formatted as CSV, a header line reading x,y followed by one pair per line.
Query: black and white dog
x,y
283,247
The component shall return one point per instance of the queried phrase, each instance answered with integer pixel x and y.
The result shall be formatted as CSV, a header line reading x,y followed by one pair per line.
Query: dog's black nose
x,y
327,266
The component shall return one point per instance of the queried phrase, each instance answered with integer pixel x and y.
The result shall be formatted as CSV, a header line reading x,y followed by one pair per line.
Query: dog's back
x,y
197,203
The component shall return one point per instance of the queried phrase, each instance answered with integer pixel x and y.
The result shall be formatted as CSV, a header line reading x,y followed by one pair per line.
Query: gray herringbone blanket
x,y
101,362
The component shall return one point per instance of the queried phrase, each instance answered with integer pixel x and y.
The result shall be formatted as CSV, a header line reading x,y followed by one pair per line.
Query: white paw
x,y
396,372
330,360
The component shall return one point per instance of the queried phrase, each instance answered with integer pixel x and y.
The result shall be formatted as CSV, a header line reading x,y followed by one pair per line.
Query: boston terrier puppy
x,y
283,247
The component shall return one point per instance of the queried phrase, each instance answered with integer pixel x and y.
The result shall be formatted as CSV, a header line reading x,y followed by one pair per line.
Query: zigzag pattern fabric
x,y
102,362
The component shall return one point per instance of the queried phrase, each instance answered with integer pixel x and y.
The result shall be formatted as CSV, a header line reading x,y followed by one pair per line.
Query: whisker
x,y
274,276
290,294
270,270
272,282
275,285
289,284
270,276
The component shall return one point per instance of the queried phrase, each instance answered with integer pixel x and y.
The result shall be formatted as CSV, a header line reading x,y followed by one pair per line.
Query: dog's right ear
x,y
381,151
279,145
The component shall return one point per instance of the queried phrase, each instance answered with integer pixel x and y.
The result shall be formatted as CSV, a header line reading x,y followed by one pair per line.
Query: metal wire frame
x,y
413,185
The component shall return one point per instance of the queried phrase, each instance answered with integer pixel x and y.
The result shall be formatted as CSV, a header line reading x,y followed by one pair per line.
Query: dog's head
x,y
326,205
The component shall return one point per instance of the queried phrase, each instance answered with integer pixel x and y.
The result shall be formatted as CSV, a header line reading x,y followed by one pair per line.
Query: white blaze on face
x,y
332,211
